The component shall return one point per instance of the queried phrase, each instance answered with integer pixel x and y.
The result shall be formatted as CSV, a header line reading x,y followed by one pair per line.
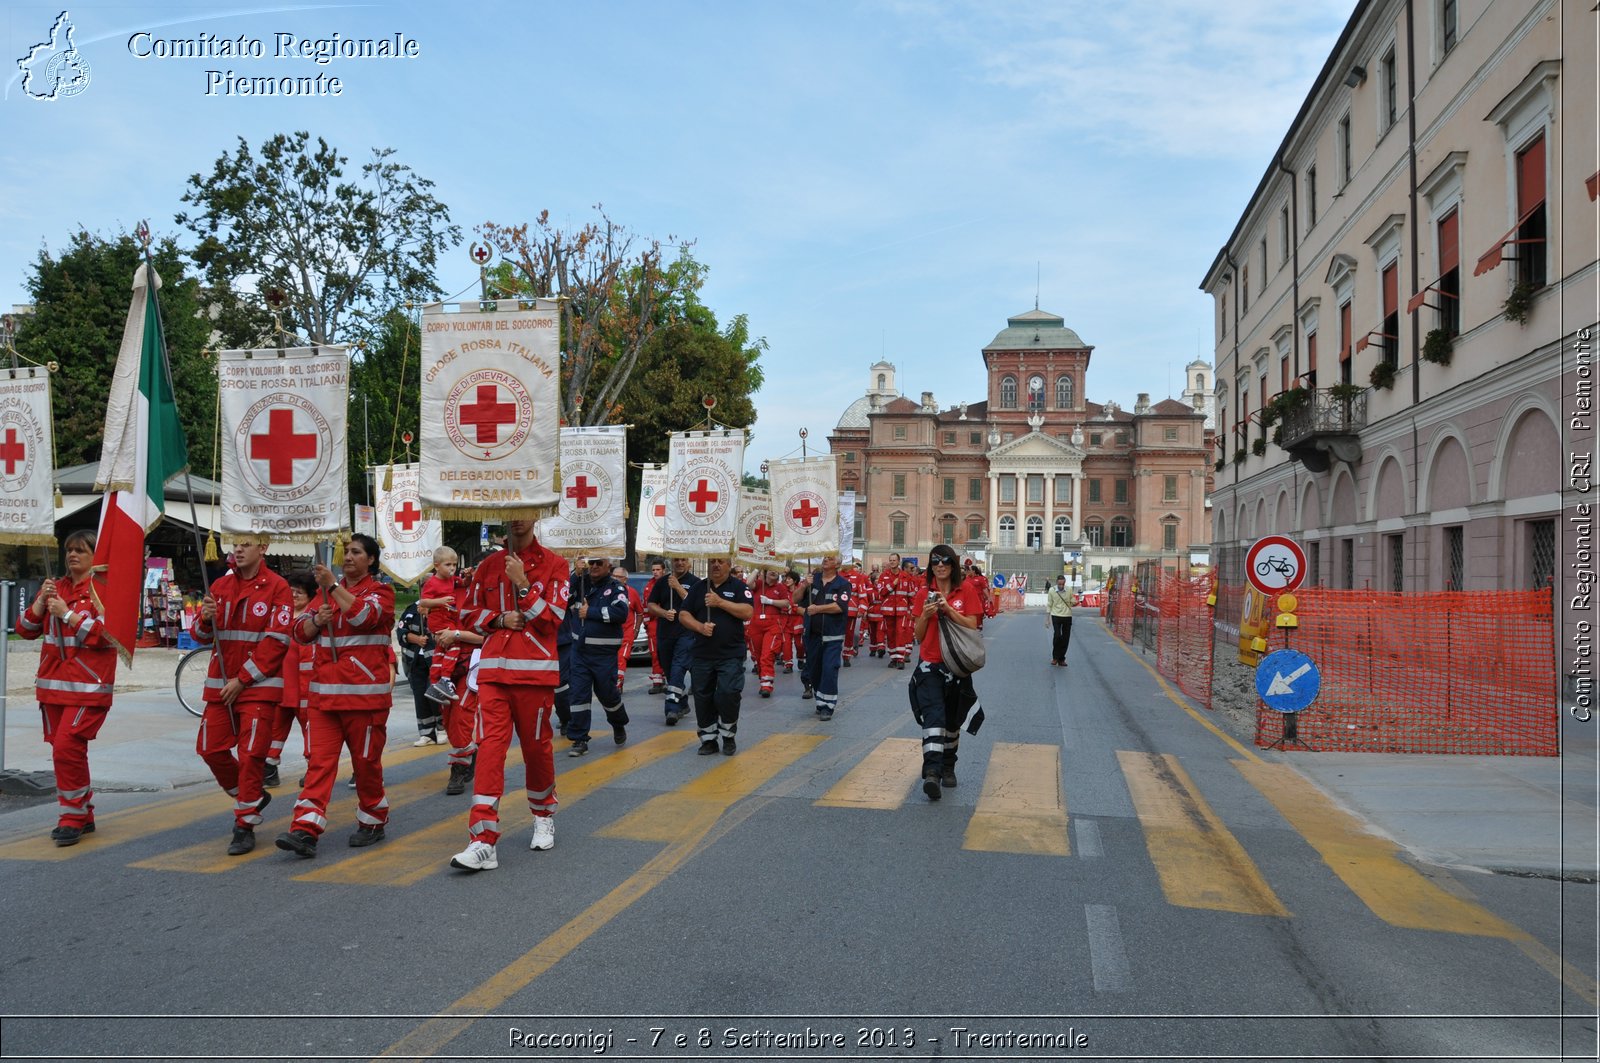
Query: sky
x,y
864,180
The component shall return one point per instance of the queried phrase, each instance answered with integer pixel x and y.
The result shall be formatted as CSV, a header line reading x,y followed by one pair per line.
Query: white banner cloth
x,y
408,538
704,471
847,526
593,517
648,537
283,441
491,412
27,475
754,543
805,501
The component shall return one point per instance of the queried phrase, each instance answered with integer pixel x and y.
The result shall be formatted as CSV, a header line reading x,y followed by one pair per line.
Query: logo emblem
x,y
805,512
285,445
703,492
488,414
259,609
587,495
21,437
55,69
405,522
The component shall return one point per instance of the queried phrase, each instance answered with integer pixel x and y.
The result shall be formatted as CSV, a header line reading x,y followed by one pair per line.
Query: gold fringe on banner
x,y
555,479
397,580
338,551
59,500
19,539
492,516
213,553
388,479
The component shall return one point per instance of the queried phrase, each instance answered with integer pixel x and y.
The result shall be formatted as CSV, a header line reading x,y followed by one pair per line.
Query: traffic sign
x,y
1287,680
1275,564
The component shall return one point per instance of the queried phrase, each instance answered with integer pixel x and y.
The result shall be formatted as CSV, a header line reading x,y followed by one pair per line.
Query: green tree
x,y
342,252
81,299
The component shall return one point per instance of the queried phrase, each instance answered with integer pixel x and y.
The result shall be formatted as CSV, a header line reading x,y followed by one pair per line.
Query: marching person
x,y
827,618
658,679
877,646
675,641
77,668
940,700
296,678
716,610
899,586
791,644
635,618
1059,601
601,609
460,713
246,618
517,600
855,630
773,603
351,692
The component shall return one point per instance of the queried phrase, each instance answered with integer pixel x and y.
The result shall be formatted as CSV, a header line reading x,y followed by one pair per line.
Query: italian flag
x,y
142,448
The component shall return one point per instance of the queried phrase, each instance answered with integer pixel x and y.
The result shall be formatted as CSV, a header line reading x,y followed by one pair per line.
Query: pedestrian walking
x,y
600,605
1059,602
827,619
940,700
716,610
675,641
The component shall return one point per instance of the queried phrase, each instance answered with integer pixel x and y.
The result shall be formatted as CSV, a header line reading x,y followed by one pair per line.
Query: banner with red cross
x,y
704,471
805,506
593,518
649,536
27,468
754,543
491,411
408,537
283,436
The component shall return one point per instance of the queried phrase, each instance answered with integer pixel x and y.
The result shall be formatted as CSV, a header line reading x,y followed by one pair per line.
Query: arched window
x,y
1035,531
1008,393
1036,397
1200,381
1008,531
1094,533
882,380
1063,531
1064,393
1121,532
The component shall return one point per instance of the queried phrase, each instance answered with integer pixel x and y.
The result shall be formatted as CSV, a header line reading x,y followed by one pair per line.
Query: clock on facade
x,y
1036,383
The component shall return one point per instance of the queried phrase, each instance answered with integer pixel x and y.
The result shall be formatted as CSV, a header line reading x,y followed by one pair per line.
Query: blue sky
x,y
864,180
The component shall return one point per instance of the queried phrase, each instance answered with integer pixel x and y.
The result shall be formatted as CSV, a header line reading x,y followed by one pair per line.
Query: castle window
x,y
1064,393
1008,393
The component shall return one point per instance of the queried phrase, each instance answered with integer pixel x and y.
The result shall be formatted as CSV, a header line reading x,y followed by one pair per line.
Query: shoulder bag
x,y
962,647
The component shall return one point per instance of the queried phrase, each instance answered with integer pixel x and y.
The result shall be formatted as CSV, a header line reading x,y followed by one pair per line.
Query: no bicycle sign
x,y
1275,564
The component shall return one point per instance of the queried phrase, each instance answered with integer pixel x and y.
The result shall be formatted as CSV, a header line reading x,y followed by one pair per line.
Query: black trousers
x,y
1062,626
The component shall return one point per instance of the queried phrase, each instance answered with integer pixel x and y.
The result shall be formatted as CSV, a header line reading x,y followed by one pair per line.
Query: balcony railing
x,y
1328,425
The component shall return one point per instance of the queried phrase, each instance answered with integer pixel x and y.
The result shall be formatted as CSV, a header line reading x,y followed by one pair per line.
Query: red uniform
x,y
629,633
251,636
898,588
771,623
860,590
446,618
658,678
348,703
518,672
77,668
296,682
876,646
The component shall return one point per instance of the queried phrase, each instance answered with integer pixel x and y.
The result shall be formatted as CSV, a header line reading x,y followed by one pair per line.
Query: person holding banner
x,y
246,617
716,609
351,692
675,640
77,668
591,667
940,700
517,600
827,619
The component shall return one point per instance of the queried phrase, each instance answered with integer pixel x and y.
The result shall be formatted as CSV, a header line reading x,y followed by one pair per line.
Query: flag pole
x,y
143,232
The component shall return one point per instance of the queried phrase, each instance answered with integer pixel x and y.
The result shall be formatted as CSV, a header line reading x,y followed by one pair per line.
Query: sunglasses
x,y
940,561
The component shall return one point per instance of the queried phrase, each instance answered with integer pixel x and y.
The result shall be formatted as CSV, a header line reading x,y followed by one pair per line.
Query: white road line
x,y
1108,961
1088,833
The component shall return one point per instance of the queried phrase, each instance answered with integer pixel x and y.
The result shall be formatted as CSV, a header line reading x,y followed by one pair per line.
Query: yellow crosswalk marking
x,y
694,805
1021,809
1201,865
1369,865
407,858
154,817
882,780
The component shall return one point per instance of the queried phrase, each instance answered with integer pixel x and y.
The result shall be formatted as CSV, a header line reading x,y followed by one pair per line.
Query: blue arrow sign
x,y
1287,680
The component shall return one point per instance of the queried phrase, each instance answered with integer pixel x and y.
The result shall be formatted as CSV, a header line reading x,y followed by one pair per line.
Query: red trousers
x,y
363,732
282,724
877,632
247,727
68,729
756,635
656,675
502,708
901,632
460,721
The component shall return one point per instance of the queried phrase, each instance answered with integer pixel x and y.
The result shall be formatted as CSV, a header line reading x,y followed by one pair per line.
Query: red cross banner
x,y
704,471
805,506
408,537
27,486
754,543
649,536
283,441
593,518
491,411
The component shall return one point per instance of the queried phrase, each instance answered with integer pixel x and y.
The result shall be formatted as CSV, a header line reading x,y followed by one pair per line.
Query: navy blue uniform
x,y
718,660
674,643
590,660
825,641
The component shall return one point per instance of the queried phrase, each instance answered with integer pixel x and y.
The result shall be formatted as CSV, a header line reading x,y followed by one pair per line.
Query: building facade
x,y
1403,310
1033,472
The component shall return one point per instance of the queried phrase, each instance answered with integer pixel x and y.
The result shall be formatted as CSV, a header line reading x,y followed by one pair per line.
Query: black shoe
x,y
729,747
619,733
788,669
75,832
244,840
578,749
847,662
302,843
766,692
948,779
708,747
656,688
824,714
807,694
366,835
930,786
673,718
459,775
269,778
755,669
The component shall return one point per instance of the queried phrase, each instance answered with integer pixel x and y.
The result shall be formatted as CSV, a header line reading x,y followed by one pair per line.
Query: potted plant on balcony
x,y
1238,456
1345,395
1519,303
1259,446
1221,462
1383,375
1436,347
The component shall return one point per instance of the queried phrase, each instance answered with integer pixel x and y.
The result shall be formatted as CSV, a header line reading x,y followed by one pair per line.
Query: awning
x,y
1593,185
1494,256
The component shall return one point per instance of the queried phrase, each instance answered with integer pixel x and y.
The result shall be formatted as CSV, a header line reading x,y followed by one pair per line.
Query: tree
x,y
614,298
342,252
81,302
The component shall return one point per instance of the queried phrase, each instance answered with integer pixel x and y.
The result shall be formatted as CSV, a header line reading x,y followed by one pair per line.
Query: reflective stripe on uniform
x,y
351,688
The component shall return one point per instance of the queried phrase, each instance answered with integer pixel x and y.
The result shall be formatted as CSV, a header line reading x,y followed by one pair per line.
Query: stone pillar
x,y
1077,516
994,507
1049,511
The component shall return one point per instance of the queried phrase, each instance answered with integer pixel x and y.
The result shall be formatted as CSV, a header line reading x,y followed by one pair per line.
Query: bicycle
x,y
190,680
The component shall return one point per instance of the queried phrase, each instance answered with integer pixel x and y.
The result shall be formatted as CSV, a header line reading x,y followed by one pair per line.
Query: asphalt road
x,y
1115,877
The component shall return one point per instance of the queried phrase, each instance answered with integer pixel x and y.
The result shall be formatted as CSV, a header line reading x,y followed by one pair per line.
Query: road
x,y
1116,876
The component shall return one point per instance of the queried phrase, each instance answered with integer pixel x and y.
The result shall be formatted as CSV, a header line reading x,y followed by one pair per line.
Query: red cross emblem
x,y
12,451
661,509
582,491
487,414
702,496
763,533
805,512
407,515
281,446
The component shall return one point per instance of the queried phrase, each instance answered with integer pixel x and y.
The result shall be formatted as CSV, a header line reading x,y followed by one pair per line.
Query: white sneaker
x,y
425,740
478,856
544,833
